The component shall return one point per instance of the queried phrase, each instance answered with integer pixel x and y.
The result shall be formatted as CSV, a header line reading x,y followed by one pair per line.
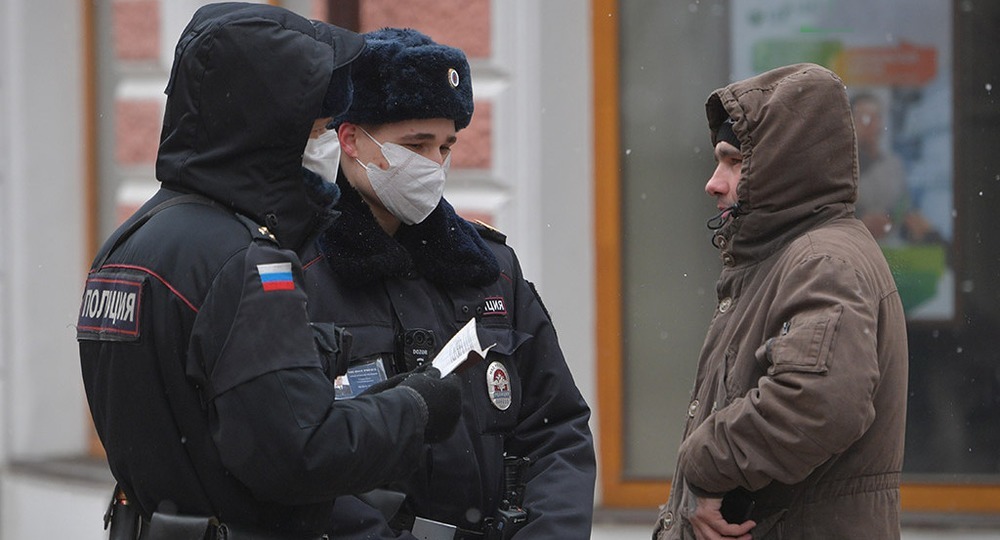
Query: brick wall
x,y
137,26
135,29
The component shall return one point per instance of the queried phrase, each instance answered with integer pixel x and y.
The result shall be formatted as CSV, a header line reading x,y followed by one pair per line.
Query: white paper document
x,y
456,351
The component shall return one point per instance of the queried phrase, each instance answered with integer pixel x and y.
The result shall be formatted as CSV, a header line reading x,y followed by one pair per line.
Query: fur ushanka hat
x,y
405,75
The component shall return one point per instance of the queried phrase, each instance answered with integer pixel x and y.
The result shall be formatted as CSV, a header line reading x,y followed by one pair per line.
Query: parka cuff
x,y
421,404
702,494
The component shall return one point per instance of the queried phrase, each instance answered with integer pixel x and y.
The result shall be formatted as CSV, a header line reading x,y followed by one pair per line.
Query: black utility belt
x,y
173,527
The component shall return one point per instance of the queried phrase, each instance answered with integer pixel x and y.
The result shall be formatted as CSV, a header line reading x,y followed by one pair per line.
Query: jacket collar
x,y
444,248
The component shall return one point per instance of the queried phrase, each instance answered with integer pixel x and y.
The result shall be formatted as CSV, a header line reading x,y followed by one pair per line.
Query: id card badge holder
x,y
359,377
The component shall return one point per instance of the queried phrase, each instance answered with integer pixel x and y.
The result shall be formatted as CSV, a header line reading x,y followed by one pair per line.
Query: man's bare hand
x,y
709,524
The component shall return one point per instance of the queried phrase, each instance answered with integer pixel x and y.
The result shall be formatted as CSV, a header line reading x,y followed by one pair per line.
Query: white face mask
x,y
322,155
412,186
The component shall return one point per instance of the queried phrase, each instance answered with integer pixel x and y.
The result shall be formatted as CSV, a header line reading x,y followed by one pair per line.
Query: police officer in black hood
x,y
211,391
404,271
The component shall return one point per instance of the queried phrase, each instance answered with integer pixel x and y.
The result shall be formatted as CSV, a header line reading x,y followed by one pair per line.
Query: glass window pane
x,y
930,82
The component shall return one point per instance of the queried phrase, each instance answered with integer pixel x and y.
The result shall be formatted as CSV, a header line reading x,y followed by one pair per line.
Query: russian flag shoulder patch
x,y
276,276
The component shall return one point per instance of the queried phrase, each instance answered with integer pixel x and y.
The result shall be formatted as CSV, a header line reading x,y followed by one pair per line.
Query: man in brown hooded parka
x,y
796,421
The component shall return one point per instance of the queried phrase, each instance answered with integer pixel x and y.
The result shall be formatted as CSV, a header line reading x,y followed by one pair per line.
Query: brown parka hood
x,y
800,165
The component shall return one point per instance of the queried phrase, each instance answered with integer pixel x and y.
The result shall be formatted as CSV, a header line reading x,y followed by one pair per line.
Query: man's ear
x,y
347,133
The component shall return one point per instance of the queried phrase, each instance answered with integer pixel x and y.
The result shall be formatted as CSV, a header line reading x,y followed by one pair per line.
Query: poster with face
x,y
895,58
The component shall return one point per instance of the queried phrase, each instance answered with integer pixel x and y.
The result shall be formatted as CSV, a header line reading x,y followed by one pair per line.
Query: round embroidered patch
x,y
498,385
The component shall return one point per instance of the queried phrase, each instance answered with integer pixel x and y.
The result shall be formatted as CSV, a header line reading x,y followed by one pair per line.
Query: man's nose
x,y
439,156
716,185
435,155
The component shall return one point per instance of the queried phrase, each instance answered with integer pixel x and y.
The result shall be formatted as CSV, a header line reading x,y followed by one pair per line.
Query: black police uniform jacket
x,y
201,368
436,276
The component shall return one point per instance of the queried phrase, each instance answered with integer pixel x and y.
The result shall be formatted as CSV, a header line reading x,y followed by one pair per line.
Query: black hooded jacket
x,y
201,367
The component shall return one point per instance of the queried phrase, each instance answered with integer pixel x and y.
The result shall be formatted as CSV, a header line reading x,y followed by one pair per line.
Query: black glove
x,y
394,381
442,398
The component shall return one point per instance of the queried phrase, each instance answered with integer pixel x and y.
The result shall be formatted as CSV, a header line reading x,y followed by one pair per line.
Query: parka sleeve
x,y
552,429
271,403
816,398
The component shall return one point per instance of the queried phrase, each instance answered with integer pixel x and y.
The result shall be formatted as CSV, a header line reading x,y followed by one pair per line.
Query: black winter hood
x,y
247,83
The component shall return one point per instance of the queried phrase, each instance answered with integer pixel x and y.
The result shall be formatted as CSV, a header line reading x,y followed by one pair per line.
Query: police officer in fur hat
x,y
403,272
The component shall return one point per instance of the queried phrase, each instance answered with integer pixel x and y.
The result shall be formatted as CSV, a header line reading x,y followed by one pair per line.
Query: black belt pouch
x,y
173,527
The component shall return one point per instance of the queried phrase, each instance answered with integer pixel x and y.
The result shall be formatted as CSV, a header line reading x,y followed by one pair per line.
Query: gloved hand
x,y
442,399
394,381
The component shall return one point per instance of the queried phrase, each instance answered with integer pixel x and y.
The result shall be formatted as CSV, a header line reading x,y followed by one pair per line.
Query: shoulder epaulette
x,y
489,232
257,231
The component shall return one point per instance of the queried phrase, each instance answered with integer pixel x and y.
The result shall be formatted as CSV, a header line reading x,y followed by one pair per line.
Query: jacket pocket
x,y
506,339
370,340
730,385
371,360
804,344
494,383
